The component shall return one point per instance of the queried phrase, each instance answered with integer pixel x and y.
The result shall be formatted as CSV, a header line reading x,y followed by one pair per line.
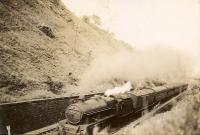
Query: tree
x,y
92,19
96,19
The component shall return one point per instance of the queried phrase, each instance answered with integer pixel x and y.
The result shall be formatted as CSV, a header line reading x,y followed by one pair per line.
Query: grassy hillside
x,y
45,48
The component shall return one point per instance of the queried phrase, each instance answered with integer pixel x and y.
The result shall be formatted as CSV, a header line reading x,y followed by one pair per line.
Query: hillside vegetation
x,y
45,48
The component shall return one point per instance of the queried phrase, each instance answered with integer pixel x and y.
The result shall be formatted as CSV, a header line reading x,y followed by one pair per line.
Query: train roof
x,y
157,89
160,88
143,92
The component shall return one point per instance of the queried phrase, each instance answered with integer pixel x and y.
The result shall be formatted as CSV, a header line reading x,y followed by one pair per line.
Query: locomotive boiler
x,y
83,116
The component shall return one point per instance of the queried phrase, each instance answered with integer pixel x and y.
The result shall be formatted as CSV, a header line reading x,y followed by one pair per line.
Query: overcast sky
x,y
146,22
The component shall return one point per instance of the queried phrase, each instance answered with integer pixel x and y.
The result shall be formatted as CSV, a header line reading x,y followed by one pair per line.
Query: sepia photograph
x,y
99,67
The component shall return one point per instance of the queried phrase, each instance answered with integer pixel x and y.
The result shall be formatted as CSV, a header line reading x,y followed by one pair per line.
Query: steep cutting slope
x,y
44,48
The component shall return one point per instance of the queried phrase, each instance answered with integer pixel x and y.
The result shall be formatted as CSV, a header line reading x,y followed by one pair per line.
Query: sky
x,y
143,23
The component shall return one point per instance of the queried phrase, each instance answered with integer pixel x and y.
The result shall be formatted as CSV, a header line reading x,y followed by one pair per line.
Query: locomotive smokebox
x,y
80,112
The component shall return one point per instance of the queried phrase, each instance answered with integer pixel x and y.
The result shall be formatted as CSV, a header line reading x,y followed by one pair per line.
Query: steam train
x,y
84,115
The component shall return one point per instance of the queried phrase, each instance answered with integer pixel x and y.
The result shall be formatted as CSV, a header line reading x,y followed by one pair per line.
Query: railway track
x,y
52,129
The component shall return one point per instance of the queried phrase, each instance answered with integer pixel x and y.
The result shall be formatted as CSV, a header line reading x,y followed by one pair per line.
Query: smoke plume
x,y
156,63
126,87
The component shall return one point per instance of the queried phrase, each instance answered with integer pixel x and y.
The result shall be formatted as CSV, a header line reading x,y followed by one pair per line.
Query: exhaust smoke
x,y
157,63
126,87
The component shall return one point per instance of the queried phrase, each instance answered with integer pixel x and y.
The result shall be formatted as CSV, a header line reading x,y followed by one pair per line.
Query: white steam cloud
x,y
162,64
117,90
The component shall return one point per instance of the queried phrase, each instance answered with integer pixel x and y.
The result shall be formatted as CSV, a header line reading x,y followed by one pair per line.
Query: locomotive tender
x,y
83,116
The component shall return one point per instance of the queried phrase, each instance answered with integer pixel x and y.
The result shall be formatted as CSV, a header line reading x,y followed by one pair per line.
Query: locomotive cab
x,y
126,103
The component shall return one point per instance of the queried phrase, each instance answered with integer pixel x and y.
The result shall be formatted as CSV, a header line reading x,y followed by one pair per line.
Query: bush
x,y
12,83
54,86
47,31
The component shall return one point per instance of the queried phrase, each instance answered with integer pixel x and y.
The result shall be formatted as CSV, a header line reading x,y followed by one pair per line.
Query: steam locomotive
x,y
83,116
